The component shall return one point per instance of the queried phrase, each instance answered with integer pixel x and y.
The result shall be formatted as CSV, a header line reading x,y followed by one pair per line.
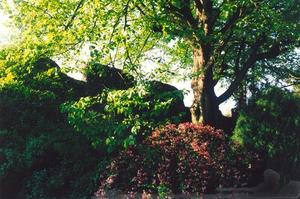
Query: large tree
x,y
216,40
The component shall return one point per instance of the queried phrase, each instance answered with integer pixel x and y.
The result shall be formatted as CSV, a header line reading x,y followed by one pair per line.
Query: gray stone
x,y
271,180
271,184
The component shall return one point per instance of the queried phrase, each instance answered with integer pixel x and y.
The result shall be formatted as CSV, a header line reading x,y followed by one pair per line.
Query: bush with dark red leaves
x,y
177,159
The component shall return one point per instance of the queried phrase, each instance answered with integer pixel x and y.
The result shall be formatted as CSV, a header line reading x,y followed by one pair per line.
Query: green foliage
x,y
123,117
232,36
270,124
39,152
124,32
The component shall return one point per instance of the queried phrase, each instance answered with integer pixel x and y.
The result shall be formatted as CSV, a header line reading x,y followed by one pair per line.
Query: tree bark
x,y
205,107
197,86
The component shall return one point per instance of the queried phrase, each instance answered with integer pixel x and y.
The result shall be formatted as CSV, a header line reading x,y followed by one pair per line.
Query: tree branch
x,y
79,5
205,14
184,13
273,52
141,10
142,48
242,73
233,19
126,14
291,84
199,5
239,54
207,5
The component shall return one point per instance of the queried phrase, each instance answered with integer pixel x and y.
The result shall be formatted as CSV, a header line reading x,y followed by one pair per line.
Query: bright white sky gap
x,y
4,31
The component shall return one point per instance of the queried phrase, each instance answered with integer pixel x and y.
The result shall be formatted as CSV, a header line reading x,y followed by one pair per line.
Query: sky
x,y
4,31
6,34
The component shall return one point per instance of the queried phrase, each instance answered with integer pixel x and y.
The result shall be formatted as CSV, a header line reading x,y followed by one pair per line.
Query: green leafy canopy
x,y
121,32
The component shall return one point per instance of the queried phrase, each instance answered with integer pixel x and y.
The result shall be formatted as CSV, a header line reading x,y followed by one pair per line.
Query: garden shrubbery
x,y
42,156
270,125
117,119
176,159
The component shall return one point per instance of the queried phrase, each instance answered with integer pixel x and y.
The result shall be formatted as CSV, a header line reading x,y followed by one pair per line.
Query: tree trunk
x,y
241,96
205,107
197,86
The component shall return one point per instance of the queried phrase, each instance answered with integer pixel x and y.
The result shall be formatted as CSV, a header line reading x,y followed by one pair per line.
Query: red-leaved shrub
x,y
177,159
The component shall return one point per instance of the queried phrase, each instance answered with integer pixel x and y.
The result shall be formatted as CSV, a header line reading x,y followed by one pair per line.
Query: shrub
x,y
184,158
118,119
40,155
270,125
39,152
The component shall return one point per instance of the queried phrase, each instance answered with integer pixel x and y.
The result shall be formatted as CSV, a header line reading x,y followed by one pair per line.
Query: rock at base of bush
x,y
271,182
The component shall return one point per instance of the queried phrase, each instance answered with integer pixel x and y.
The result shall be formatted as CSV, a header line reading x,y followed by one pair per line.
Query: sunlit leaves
x,y
124,31
119,117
